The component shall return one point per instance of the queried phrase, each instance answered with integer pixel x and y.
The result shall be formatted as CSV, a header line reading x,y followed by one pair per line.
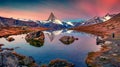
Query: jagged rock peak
x,y
52,17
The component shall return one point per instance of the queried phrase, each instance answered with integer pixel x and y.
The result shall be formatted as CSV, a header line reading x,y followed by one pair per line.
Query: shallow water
x,y
75,52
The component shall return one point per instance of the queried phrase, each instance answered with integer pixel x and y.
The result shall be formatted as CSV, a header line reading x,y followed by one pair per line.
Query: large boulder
x,y
35,38
9,58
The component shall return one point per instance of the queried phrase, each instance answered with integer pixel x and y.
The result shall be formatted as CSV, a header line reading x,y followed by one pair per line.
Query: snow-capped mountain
x,y
107,17
5,22
55,23
96,19
53,19
70,23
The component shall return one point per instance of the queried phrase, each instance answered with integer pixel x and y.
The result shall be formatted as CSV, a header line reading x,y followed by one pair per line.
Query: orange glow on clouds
x,y
23,14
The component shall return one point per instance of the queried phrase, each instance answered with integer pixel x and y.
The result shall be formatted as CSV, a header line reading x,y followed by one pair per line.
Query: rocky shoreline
x,y
107,56
9,58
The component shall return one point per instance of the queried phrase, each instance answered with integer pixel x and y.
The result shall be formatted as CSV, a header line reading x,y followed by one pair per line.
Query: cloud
x,y
98,7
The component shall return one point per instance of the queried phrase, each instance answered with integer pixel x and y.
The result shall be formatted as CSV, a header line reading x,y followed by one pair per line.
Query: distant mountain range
x,y
52,22
10,22
96,19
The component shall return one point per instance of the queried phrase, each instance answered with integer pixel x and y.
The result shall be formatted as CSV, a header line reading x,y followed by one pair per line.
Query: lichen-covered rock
x,y
9,58
35,36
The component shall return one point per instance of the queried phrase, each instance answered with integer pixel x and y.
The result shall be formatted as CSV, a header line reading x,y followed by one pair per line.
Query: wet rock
x,y
35,38
27,61
99,41
10,39
68,39
7,59
10,58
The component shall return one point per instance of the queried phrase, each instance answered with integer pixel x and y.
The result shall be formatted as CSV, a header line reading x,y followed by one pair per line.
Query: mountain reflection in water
x,y
53,48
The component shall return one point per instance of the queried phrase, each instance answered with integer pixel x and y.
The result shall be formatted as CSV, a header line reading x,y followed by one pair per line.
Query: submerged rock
x,y
68,39
35,38
59,63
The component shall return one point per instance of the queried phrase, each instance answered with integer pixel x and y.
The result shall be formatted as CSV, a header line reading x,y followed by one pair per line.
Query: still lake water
x,y
75,52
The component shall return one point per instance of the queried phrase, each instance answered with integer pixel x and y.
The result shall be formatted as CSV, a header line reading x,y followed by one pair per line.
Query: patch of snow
x,y
56,21
69,23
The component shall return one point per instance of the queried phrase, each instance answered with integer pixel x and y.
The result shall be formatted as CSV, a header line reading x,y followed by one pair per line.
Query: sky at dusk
x,y
63,9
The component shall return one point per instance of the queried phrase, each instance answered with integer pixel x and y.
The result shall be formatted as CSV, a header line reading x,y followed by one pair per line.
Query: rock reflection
x,y
68,39
35,38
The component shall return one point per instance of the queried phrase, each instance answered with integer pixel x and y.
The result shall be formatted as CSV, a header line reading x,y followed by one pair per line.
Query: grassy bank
x,y
7,31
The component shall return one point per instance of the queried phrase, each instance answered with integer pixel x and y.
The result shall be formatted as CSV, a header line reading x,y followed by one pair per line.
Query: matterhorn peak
x,y
52,17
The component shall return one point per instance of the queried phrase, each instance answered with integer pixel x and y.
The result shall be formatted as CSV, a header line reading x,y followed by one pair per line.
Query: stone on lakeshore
x,y
103,58
10,39
27,61
99,41
8,59
114,54
108,42
1,44
11,59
